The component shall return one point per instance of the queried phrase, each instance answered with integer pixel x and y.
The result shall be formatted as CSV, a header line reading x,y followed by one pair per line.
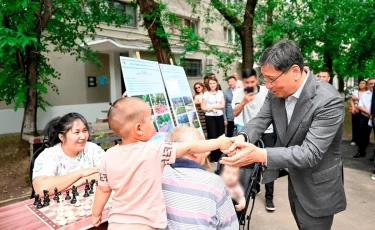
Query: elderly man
x,y
239,83
308,116
193,196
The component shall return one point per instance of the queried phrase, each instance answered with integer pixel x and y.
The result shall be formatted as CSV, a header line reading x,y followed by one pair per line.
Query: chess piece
x,y
68,197
81,212
70,217
91,189
87,186
57,198
62,221
39,205
86,193
74,199
46,200
87,206
56,194
75,190
77,204
36,199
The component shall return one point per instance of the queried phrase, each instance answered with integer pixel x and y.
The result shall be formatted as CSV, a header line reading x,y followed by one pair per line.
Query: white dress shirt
x,y
365,101
291,101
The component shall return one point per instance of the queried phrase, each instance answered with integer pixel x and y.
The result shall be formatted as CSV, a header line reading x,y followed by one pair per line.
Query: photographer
x,y
249,101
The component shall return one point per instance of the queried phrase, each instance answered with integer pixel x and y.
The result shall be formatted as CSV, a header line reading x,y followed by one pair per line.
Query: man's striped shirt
x,y
196,199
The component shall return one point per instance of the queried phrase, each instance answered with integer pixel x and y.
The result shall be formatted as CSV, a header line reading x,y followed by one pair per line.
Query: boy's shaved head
x,y
125,113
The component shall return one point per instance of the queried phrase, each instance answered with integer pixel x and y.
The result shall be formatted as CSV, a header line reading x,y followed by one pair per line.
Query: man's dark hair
x,y
246,73
326,71
206,77
282,56
231,77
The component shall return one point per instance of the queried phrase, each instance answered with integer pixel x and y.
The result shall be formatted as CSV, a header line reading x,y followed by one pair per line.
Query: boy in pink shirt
x,y
133,170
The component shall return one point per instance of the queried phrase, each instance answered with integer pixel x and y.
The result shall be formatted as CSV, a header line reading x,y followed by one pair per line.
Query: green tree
x,y
31,29
331,34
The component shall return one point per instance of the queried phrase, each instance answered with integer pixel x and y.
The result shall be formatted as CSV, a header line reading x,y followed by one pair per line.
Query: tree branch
x,y
228,15
45,17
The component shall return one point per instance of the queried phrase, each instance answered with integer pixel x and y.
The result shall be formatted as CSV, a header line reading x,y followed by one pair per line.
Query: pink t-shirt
x,y
134,172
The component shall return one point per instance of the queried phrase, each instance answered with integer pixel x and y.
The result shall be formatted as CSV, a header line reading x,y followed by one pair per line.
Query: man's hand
x,y
233,148
248,98
246,154
96,220
225,123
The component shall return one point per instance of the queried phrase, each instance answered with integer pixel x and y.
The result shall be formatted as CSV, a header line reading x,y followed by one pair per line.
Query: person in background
x,y
354,100
205,82
187,174
239,83
213,105
199,90
325,75
364,106
209,76
70,160
228,111
250,104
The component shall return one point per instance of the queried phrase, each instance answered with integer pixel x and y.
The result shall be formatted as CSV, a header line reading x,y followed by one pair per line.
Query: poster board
x,y
180,97
143,80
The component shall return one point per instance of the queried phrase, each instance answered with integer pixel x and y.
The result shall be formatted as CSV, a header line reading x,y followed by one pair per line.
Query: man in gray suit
x,y
228,110
308,115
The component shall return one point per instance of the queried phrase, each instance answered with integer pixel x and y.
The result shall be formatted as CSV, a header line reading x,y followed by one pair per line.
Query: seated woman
x,y
71,159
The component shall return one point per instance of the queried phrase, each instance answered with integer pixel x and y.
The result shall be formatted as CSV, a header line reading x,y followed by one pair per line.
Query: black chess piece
x,y
58,199
46,201
92,186
68,197
86,193
39,205
74,199
56,194
87,185
36,199
46,196
75,191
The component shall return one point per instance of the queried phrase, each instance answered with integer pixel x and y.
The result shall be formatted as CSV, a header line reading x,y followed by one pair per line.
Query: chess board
x,y
48,214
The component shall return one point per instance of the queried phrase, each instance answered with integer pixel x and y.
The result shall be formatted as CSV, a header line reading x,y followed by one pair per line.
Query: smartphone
x,y
249,89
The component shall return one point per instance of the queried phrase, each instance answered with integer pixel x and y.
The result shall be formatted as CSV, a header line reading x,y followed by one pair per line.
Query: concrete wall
x,y
14,119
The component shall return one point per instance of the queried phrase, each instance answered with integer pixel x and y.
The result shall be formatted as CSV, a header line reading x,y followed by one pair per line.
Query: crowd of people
x,y
162,184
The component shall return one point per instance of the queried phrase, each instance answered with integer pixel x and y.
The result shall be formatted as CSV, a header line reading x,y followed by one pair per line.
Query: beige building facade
x,y
85,89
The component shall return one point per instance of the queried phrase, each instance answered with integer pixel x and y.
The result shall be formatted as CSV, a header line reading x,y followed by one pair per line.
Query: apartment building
x,y
88,90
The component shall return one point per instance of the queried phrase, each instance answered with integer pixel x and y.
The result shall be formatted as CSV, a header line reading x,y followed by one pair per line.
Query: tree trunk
x,y
161,45
247,49
267,41
341,84
246,35
30,113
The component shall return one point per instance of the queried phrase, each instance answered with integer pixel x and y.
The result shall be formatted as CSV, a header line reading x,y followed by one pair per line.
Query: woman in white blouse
x,y
213,105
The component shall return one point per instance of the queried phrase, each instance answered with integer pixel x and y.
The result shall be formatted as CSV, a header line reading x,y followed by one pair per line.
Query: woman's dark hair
x,y
61,125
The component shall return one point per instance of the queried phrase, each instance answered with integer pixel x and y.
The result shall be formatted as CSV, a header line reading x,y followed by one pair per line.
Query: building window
x,y
129,10
193,67
191,24
229,35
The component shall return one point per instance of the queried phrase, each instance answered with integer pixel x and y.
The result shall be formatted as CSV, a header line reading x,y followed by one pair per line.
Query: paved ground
x,y
360,192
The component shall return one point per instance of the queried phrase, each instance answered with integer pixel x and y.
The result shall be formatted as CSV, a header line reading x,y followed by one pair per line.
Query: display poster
x,y
143,80
180,96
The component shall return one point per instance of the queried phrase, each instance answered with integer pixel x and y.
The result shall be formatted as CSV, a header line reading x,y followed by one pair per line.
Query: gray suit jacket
x,y
309,147
228,111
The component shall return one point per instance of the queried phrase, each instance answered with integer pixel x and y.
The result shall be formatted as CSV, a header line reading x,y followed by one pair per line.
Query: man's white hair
x,y
184,133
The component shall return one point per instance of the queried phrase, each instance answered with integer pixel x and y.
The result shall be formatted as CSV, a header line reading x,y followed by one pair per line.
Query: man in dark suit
x,y
308,115
228,110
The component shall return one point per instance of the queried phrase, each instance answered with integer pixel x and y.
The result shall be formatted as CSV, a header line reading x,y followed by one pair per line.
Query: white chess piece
x,y
61,208
81,212
87,206
58,217
77,204
62,221
71,216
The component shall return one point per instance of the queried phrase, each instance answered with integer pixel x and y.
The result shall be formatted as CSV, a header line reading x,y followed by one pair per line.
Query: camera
x,y
249,89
